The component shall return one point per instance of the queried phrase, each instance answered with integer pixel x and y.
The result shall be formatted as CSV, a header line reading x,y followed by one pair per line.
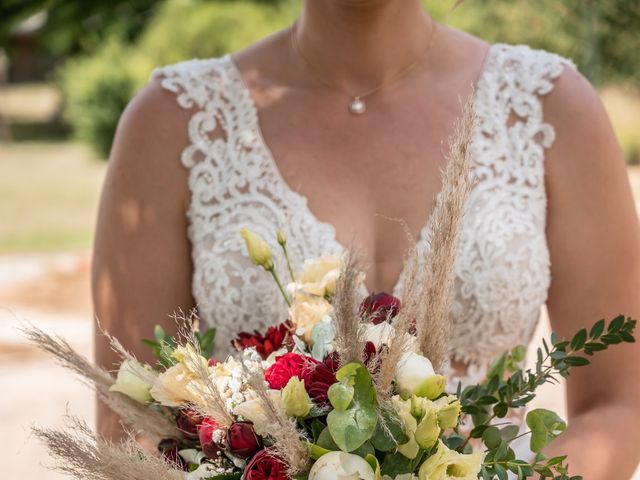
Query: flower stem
x,y
273,273
286,257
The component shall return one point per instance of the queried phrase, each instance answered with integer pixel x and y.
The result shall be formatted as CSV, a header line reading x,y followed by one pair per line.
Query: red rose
x,y
187,421
266,465
169,448
379,307
287,366
318,377
242,439
209,446
265,345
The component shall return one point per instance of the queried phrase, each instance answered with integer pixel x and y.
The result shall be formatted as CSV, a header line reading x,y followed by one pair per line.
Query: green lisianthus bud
x,y
449,415
281,237
296,399
432,387
428,431
259,250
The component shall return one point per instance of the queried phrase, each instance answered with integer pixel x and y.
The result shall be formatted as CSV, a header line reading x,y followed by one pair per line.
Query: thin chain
x,y
402,73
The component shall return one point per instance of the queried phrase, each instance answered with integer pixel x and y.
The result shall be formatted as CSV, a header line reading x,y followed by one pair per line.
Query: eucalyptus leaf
x,y
354,426
545,427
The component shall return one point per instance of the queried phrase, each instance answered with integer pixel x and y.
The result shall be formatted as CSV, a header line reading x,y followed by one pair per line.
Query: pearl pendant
x,y
357,106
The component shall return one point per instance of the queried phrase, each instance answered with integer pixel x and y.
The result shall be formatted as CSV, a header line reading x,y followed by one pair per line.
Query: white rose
x,y
341,466
319,276
307,310
129,382
415,376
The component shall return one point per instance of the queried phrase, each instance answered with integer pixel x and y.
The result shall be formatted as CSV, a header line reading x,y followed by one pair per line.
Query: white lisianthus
x,y
415,376
403,408
179,384
307,310
379,334
176,386
252,409
341,466
448,464
129,381
319,276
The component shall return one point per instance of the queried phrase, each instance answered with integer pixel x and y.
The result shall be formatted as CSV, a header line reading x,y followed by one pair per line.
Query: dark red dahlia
x,y
319,377
286,366
266,465
379,307
266,344
242,439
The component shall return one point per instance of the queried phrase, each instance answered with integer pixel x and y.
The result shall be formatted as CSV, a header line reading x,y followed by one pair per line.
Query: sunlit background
x,y
67,69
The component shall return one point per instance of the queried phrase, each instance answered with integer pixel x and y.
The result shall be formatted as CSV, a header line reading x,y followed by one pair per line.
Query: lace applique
x,y
502,269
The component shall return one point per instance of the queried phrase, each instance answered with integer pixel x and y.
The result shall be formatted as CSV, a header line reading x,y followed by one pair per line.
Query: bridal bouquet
x,y
343,389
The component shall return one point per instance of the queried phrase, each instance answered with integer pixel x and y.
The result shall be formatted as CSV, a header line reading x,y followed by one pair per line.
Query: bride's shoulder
x,y
160,105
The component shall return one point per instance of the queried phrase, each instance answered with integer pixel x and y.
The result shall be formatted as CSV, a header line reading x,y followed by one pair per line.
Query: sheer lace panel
x,y
502,269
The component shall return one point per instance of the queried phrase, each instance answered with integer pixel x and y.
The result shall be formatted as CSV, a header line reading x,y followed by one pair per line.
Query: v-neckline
x,y
302,199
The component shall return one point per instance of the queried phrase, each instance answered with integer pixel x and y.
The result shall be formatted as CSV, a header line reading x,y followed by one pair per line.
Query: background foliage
x,y
113,46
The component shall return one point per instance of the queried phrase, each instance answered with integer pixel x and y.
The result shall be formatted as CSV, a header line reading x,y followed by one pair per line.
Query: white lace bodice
x,y
502,269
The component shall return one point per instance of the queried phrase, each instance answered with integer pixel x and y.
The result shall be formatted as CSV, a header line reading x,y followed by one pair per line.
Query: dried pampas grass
x,y
82,455
208,400
427,283
137,416
289,443
434,328
348,341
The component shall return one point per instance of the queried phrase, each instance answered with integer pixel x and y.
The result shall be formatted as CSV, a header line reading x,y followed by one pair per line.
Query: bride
x,y
334,126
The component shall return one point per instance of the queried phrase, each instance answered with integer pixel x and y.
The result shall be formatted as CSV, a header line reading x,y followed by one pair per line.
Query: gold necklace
x,y
357,106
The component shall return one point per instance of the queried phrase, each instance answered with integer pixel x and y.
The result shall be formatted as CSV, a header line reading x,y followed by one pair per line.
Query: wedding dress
x,y
502,271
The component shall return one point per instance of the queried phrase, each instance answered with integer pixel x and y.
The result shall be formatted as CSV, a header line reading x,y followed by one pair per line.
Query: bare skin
x,y
355,171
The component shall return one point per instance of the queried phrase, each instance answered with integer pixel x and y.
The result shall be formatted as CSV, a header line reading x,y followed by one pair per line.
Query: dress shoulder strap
x,y
511,87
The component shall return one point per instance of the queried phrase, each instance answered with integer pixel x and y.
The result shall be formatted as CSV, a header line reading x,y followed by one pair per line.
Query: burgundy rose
x,y
169,448
379,307
242,439
265,345
287,366
318,377
210,447
265,465
187,421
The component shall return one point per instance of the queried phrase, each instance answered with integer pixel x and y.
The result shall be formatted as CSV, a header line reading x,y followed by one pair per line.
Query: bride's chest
x,y
372,179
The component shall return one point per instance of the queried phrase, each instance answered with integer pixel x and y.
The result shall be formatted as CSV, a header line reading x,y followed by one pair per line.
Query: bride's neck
x,y
360,42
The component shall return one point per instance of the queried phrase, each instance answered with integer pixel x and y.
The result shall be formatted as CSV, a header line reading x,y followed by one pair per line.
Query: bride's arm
x,y
141,267
595,269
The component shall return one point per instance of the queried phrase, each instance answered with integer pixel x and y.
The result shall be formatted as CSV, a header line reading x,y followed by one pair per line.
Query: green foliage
x,y
601,37
163,345
353,426
73,27
97,89
506,389
545,427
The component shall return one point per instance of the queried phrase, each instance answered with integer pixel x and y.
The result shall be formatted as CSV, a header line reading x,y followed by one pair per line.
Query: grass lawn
x,y
48,196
